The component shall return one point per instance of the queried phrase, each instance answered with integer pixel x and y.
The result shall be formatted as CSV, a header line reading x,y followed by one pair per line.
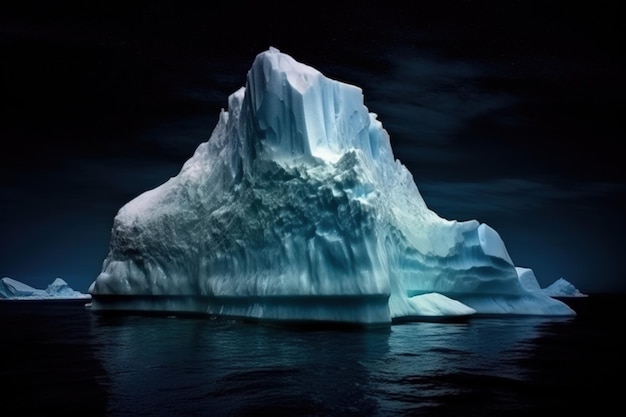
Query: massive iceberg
x,y
296,209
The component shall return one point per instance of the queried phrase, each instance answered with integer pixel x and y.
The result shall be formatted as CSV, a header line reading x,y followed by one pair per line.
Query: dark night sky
x,y
505,112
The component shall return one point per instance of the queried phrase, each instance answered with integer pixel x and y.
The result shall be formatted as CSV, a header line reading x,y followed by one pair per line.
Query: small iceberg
x,y
11,289
563,288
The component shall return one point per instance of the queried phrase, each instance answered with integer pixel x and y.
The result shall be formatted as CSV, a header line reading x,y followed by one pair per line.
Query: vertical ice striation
x,y
294,114
296,209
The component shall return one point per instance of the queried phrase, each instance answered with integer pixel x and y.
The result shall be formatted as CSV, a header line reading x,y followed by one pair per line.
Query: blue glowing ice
x,y
296,209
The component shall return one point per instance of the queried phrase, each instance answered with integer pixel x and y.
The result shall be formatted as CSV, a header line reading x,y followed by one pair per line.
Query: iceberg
x,y
61,289
296,209
58,289
563,288
10,288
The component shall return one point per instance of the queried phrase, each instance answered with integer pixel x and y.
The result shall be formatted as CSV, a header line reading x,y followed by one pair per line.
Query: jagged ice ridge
x,y
296,209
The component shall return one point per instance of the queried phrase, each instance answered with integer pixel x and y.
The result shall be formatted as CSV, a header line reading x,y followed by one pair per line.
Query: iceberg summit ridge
x,y
296,209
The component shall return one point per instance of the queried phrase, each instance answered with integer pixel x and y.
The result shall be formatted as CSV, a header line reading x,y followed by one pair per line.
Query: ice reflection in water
x,y
182,366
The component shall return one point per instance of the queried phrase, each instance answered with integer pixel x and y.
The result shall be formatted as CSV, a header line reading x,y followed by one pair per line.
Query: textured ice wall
x,y
296,209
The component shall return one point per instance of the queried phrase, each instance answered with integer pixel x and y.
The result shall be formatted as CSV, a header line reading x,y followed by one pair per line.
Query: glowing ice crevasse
x,y
296,209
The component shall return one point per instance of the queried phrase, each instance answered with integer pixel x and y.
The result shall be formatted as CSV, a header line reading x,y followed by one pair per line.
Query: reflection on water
x,y
460,368
185,366
62,360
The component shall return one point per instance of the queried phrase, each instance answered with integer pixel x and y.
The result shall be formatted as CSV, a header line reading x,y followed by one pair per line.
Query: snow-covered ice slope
x,y
296,209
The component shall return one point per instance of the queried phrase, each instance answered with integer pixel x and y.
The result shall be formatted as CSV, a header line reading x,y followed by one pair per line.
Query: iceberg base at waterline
x,y
297,309
295,209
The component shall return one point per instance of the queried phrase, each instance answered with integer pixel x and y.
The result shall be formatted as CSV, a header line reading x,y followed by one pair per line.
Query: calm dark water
x,y
60,359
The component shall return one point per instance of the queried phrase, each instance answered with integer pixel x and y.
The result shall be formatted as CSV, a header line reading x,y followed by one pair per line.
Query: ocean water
x,y
60,359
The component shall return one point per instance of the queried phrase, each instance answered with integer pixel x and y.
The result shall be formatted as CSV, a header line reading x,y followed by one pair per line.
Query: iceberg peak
x,y
298,75
296,209
292,113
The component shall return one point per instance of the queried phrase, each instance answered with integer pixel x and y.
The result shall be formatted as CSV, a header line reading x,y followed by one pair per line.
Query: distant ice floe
x,y
563,288
58,289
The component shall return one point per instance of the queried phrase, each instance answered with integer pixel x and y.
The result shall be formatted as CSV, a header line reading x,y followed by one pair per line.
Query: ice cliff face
x,y
296,209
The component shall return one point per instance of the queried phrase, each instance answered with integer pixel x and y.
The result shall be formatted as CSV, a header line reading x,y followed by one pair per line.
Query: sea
x,y
58,358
